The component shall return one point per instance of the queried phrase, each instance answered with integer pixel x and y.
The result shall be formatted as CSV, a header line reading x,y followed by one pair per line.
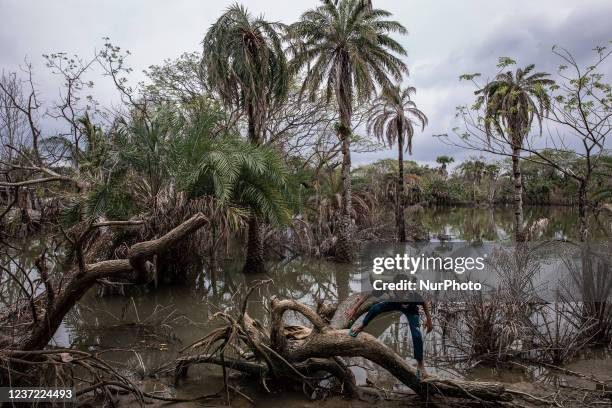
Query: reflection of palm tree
x,y
469,224
492,173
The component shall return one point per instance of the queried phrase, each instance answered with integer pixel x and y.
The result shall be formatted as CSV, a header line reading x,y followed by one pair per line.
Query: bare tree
x,y
12,121
583,108
71,105
23,102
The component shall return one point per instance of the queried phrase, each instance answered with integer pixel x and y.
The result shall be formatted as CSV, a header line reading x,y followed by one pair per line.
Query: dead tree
x,y
31,325
307,355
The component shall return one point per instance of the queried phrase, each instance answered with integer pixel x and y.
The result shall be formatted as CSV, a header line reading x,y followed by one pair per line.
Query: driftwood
x,y
308,354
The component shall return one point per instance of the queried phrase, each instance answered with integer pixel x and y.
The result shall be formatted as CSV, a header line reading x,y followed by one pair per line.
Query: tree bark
x,y
345,251
254,262
518,194
401,193
582,211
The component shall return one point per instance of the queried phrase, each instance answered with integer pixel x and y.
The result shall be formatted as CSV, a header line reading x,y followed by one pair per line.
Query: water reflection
x,y
158,322
496,223
138,321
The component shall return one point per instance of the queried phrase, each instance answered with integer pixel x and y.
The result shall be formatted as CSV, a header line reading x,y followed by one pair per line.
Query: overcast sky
x,y
446,38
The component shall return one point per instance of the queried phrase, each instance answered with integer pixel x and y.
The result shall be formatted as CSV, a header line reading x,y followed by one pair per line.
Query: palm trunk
x,y
401,201
255,250
518,194
344,245
254,262
345,251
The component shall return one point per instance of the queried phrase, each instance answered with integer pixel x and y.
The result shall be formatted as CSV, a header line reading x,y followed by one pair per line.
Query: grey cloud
x,y
446,38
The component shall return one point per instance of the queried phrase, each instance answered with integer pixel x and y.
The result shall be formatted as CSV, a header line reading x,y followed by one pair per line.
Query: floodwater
x,y
149,326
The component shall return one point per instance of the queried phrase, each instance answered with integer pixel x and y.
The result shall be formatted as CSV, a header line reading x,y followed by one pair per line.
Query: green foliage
x,y
181,80
477,181
144,149
230,169
165,151
393,116
444,160
245,62
512,101
503,62
348,50
603,185
469,77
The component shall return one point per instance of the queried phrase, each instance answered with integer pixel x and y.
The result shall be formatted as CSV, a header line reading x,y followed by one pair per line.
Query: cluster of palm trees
x,y
342,51
168,160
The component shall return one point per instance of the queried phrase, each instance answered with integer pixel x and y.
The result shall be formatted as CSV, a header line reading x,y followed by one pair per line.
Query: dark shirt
x,y
410,302
407,302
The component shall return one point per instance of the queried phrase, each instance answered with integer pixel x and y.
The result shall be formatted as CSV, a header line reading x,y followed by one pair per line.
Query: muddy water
x,y
149,327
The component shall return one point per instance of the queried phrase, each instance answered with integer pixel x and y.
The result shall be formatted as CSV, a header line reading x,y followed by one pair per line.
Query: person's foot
x,y
421,372
353,332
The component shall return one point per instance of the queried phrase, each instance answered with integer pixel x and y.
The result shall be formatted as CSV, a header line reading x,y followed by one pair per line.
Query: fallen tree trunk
x,y
34,330
350,309
298,352
326,342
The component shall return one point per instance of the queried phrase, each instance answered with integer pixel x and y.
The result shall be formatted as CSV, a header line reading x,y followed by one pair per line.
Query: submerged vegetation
x,y
243,151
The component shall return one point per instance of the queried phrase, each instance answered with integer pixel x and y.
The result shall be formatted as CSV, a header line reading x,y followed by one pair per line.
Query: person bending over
x,y
409,306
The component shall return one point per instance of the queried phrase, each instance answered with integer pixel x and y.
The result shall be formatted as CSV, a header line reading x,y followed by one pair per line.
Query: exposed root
x,y
312,356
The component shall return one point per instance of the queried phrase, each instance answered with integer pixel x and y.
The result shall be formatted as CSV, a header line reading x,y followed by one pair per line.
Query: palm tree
x,y
234,172
473,170
246,66
444,161
512,101
348,51
391,121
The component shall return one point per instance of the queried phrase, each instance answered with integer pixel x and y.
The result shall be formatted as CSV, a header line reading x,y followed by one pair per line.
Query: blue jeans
x,y
413,322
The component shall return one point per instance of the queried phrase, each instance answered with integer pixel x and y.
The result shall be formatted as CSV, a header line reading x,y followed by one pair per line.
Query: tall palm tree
x,y
246,65
512,101
348,51
392,118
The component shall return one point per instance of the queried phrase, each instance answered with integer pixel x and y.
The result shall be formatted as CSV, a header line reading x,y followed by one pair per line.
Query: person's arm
x,y
428,321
